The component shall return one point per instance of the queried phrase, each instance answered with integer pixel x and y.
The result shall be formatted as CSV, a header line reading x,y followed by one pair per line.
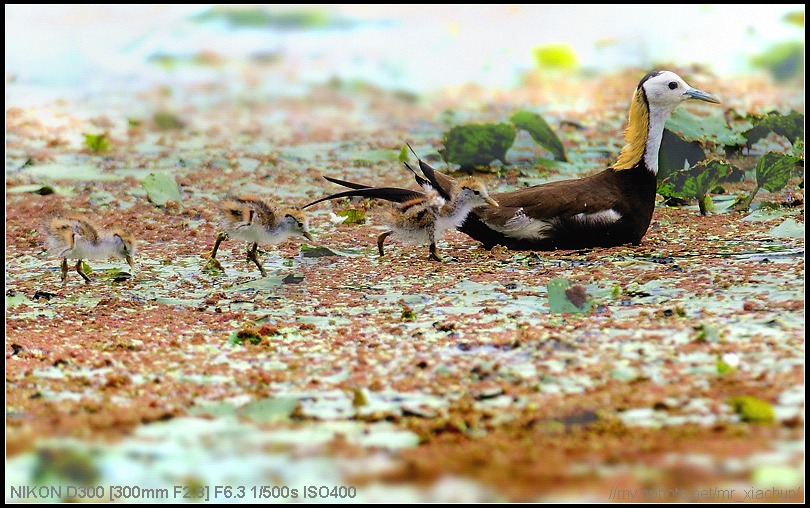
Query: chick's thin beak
x,y
131,262
491,201
694,93
308,236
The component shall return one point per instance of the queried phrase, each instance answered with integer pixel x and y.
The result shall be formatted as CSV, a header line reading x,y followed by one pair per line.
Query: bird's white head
x,y
473,192
665,90
125,246
296,222
656,97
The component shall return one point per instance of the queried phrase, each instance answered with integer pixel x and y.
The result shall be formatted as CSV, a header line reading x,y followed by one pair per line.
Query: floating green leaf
x,y
245,335
261,283
16,299
180,302
65,465
293,279
566,299
213,267
318,251
404,154
696,182
80,172
555,56
408,313
774,170
161,188
477,144
790,126
97,142
724,368
213,409
259,17
789,228
752,409
165,120
540,132
705,333
712,127
359,398
353,216
269,410
116,274
42,190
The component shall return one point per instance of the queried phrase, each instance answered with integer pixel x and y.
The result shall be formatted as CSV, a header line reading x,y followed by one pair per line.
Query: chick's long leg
x,y
381,241
220,238
81,272
251,255
64,270
433,251
212,255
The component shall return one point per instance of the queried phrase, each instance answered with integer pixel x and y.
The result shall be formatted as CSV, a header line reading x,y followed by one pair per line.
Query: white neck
x,y
454,213
658,119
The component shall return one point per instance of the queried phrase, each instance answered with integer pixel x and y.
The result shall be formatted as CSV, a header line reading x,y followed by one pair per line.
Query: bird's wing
x,y
56,225
554,200
84,228
238,210
59,231
421,180
440,182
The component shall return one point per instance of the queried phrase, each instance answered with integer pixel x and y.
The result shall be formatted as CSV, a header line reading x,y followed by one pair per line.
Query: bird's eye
x,y
477,193
673,85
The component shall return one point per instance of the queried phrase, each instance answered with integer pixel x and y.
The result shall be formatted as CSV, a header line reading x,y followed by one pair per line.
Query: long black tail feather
x,y
348,184
394,194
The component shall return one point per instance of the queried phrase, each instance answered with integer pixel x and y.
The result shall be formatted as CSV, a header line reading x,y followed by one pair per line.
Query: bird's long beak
x,y
491,201
694,93
308,236
131,263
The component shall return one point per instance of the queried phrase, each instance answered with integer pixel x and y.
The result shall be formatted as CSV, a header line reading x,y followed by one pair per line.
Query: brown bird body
x,y
78,237
613,207
258,222
605,209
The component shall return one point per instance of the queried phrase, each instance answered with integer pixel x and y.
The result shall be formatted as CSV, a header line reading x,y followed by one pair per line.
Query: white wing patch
x,y
602,217
523,226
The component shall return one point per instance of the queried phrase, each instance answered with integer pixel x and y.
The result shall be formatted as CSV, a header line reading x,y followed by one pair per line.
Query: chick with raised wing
x,y
258,222
419,217
78,237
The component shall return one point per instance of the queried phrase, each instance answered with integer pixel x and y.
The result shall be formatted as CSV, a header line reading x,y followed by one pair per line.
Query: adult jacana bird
x,y
613,207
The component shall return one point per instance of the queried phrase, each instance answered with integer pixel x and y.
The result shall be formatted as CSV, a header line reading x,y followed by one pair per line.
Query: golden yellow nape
x,y
638,124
